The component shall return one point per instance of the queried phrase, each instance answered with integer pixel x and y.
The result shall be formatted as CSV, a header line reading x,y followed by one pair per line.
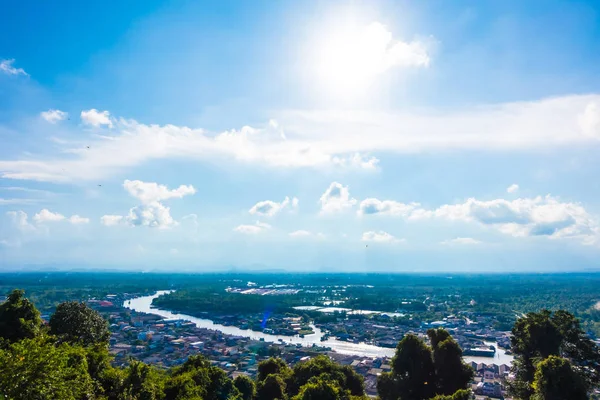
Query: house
x,y
488,373
489,389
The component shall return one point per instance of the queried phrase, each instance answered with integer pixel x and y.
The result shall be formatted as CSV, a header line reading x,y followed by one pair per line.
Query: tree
x,y
272,366
212,382
555,379
111,381
142,382
343,377
538,336
245,386
19,319
451,373
462,394
320,389
183,387
413,372
37,369
271,388
75,322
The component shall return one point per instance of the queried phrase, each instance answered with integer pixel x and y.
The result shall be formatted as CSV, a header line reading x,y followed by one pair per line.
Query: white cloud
x,y
326,138
357,161
386,207
96,118
111,220
589,120
46,215
6,66
77,220
153,215
461,240
268,208
149,192
21,220
336,198
512,188
379,236
300,233
258,227
54,116
538,216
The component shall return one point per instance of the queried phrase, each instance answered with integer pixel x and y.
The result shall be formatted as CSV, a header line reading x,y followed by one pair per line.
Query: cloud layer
x,y
538,216
322,138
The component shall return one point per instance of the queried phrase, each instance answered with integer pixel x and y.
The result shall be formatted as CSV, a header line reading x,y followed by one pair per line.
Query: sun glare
x,y
349,59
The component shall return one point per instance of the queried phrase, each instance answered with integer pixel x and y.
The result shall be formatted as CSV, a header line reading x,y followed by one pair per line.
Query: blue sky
x,y
329,136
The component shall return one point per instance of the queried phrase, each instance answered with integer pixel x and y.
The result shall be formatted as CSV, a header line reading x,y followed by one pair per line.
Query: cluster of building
x,y
270,290
384,331
167,343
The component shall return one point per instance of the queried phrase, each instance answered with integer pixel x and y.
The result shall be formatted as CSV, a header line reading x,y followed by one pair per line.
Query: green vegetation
x,y
546,345
423,372
317,378
75,322
19,319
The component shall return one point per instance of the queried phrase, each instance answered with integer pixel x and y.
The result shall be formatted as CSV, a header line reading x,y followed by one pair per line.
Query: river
x,y
144,304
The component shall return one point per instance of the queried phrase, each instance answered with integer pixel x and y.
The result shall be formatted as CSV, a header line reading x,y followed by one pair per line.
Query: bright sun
x,y
350,58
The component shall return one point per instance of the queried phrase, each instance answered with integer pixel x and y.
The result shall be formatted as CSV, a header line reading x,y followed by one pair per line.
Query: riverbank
x,y
144,304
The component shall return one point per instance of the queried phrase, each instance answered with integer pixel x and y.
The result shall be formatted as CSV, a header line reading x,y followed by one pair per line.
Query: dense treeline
x,y
69,360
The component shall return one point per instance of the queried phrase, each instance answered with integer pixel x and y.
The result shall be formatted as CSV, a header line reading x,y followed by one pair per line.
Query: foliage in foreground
x,y
422,372
549,346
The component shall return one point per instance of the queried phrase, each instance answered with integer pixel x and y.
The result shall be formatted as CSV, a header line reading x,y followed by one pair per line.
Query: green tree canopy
x,y
320,389
462,394
272,366
451,373
555,379
37,369
75,322
413,372
538,336
271,388
212,382
343,376
19,319
142,382
245,386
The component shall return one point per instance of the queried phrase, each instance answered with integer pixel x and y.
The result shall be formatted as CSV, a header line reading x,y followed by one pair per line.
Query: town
x,y
169,342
